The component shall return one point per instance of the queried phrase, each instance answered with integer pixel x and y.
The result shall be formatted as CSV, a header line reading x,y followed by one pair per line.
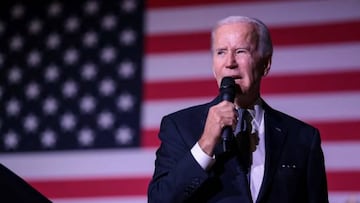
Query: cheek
x,y
217,74
216,67
256,75
251,72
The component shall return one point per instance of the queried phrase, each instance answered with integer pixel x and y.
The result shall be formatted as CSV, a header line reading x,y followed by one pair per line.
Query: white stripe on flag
x,y
132,163
81,164
333,106
344,197
199,18
337,155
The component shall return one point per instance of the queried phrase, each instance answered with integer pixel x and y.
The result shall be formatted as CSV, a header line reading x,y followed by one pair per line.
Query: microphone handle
x,y
226,138
227,132
227,92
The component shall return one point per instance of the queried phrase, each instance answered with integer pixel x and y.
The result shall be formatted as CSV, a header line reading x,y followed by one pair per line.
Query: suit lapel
x,y
275,134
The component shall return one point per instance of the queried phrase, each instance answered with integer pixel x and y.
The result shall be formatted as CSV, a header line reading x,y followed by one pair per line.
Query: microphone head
x,y
227,82
227,89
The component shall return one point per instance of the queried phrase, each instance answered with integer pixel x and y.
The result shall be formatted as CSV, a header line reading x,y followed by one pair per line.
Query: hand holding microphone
x,y
221,117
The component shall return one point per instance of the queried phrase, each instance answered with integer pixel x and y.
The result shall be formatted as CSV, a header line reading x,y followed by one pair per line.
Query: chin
x,y
244,89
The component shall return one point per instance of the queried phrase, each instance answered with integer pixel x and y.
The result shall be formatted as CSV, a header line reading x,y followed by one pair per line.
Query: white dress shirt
x,y
257,167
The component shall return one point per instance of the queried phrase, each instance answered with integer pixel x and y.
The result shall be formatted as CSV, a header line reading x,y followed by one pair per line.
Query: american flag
x,y
81,107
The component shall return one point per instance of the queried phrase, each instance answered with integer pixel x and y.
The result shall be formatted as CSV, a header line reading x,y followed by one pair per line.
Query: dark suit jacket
x,y
294,163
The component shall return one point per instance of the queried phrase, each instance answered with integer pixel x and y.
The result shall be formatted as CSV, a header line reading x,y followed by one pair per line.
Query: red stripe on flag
x,y
337,181
343,180
282,36
180,89
91,187
312,82
316,34
179,3
339,130
305,83
150,138
169,43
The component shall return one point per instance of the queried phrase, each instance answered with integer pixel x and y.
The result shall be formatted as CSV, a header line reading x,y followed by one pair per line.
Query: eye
x,y
220,52
240,51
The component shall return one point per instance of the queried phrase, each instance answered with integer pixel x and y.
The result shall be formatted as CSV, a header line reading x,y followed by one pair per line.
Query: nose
x,y
231,61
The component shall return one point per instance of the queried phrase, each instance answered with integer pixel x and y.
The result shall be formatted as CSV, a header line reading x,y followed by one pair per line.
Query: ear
x,y
267,66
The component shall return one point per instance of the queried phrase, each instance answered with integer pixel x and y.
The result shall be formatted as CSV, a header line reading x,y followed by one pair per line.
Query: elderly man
x,y
274,157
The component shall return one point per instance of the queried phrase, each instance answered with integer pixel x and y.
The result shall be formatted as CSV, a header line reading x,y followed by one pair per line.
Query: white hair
x,y
265,46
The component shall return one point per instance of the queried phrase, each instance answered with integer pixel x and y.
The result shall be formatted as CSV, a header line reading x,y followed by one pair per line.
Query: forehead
x,y
237,31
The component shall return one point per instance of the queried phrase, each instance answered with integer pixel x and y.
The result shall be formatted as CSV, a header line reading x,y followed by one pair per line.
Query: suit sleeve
x,y
177,174
316,178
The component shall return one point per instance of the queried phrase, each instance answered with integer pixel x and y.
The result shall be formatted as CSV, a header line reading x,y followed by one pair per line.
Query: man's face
x,y
235,54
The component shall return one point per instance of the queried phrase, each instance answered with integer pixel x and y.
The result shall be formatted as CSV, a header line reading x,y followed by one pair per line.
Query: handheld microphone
x,y
227,93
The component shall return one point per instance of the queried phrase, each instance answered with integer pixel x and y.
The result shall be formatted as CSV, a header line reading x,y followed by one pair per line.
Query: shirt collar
x,y
257,112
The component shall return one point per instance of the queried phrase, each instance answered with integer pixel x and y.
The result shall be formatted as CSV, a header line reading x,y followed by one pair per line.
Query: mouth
x,y
236,77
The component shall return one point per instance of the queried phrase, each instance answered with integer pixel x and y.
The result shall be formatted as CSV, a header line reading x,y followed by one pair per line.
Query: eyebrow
x,y
245,48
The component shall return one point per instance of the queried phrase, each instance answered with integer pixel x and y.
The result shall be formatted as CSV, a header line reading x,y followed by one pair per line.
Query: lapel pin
x,y
288,166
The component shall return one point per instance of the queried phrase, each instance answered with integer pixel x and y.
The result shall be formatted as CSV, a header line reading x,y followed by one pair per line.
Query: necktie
x,y
243,140
243,131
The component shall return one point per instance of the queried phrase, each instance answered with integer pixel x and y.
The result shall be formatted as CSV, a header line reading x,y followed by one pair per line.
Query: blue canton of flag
x,y
70,74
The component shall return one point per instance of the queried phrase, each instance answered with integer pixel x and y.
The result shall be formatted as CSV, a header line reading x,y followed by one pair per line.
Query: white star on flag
x,y
16,43
70,89
108,54
124,135
48,138
50,106
68,121
15,75
105,120
31,123
13,107
35,26
17,11
126,69
90,39
72,24
53,41
86,137
128,6
87,104
11,140
34,58
91,7
125,102
71,56
89,71
51,73
127,37
107,87
54,9
109,22
32,90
